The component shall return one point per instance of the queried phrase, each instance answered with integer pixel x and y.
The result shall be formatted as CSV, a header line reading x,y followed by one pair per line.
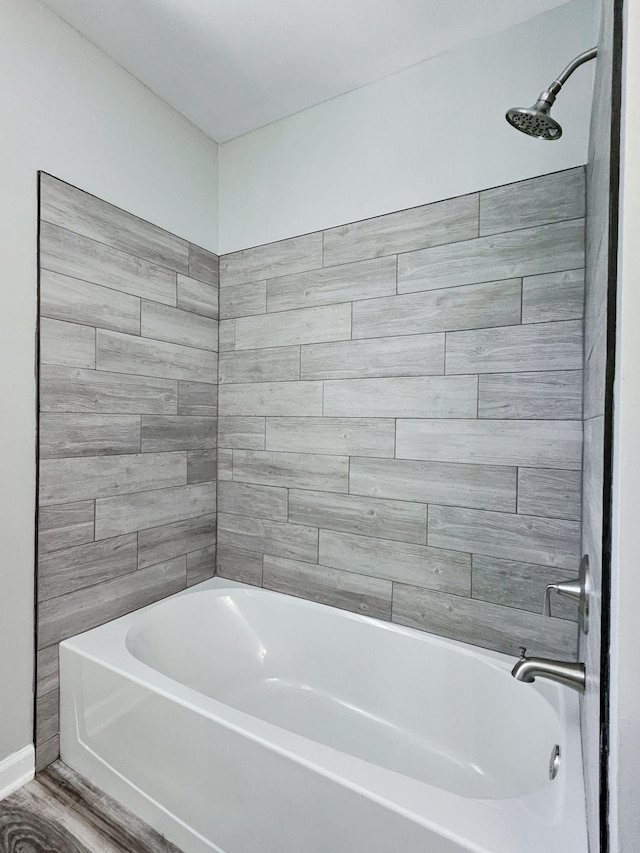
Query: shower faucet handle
x,y
571,588
577,589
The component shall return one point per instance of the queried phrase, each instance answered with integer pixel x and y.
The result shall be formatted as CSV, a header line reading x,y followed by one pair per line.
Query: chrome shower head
x,y
535,120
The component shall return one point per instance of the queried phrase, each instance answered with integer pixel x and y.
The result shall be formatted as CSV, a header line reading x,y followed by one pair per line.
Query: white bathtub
x,y
238,720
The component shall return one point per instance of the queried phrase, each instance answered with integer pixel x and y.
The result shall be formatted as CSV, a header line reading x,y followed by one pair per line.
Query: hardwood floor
x,y
60,812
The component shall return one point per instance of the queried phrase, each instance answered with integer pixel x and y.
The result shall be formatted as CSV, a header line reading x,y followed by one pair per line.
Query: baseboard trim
x,y
16,770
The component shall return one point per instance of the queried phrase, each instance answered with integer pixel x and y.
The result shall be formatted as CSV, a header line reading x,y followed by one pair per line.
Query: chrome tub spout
x,y
564,672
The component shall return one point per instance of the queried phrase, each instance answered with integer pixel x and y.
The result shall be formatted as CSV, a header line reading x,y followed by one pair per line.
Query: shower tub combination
x,y
239,720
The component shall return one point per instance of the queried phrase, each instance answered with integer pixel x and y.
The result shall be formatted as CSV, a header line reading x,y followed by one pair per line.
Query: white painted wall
x,y
69,110
434,131
625,627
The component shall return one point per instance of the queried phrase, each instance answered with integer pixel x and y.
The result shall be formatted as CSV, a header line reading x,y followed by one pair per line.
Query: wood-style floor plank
x,y
60,812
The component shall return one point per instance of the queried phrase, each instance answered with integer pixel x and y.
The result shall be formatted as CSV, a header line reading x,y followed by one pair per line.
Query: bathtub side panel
x,y
209,788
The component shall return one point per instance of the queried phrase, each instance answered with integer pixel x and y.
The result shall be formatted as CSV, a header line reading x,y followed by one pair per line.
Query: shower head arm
x,y
551,93
536,120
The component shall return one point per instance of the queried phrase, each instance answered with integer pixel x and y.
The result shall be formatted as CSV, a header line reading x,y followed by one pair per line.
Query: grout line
x,y
102,372
303,307
138,338
270,315
383,337
358,378
82,325
107,286
177,309
548,225
521,300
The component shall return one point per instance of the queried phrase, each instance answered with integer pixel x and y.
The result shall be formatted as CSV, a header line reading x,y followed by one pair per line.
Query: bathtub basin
x,y
239,720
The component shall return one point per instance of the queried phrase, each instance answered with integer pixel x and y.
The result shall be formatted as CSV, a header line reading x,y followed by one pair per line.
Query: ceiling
x,y
231,66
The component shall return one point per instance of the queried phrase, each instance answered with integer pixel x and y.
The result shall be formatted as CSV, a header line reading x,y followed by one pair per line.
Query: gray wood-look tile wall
x,y
598,245
400,416
400,427
128,422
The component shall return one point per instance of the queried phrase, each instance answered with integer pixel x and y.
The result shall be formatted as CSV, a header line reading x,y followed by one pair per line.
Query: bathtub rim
x,y
548,691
